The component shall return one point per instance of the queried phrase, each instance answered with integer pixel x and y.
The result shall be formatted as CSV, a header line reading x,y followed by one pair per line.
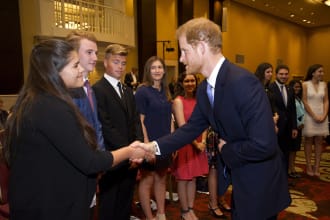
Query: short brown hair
x,y
75,37
201,29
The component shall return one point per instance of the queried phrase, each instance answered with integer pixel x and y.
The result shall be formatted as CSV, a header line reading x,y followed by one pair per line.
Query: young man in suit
x,y
232,101
83,97
121,125
284,102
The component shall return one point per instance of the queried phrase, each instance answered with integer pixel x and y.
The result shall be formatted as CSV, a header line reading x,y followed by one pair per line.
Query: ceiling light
x,y
292,15
326,2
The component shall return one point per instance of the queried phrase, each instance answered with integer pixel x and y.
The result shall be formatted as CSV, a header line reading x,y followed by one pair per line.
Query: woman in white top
x,y
315,98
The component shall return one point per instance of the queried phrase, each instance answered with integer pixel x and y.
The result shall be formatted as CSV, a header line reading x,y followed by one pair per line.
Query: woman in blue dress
x,y
154,106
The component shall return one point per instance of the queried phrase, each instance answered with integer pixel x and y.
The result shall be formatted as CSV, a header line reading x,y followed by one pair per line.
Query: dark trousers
x,y
116,193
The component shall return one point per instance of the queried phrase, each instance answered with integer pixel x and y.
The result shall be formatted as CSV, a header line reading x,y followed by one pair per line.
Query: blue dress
x,y
156,108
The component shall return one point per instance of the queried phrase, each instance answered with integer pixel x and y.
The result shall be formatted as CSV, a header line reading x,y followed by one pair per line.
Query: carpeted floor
x,y
310,196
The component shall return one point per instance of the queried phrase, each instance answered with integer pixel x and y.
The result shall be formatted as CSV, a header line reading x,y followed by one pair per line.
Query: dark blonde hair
x,y
75,37
148,81
201,29
115,49
47,60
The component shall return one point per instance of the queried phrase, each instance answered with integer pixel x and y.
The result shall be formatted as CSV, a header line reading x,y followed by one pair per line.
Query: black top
x,y
52,165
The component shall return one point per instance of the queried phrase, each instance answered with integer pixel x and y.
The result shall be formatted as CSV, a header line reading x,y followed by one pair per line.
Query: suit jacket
x,y
287,115
251,158
52,164
120,121
82,102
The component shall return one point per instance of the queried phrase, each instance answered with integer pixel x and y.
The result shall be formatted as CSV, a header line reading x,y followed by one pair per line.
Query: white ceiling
x,y
315,13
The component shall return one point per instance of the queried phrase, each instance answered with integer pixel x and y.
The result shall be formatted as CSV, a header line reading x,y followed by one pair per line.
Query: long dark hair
x,y
147,79
179,89
291,85
47,59
260,71
311,70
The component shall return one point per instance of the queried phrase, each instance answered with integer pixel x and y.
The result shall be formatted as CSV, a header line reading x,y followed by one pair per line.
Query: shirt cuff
x,y
156,148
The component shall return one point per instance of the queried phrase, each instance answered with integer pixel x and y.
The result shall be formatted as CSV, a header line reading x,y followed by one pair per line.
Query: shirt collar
x,y
279,84
213,77
113,81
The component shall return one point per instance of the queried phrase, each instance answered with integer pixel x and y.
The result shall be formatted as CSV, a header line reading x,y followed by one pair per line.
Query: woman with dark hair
x,y
49,145
154,106
264,73
191,160
315,98
296,86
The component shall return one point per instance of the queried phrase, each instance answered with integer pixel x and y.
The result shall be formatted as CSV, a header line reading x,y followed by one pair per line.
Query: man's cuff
x,y
156,148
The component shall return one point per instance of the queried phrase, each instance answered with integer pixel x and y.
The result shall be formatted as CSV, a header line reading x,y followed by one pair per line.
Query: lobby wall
x,y
318,49
256,37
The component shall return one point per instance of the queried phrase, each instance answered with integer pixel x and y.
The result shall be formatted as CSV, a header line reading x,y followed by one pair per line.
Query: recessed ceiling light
x,y
289,3
292,15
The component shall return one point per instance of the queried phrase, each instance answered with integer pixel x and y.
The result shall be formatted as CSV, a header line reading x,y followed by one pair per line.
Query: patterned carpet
x,y
310,196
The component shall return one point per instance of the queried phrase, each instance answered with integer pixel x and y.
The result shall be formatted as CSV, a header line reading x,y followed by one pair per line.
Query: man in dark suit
x,y
83,97
131,79
233,102
284,101
121,125
86,46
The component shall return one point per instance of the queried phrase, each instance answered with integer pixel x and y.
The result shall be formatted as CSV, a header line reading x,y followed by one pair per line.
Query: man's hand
x,y
221,143
138,153
149,149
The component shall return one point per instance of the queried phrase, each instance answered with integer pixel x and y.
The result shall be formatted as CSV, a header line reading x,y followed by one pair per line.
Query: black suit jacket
x,y
243,118
53,167
120,121
287,115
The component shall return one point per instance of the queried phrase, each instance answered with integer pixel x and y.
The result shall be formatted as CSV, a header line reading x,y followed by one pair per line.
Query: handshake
x,y
142,151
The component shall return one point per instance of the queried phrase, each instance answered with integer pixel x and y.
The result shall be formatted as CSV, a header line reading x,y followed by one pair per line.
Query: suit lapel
x,y
114,93
219,94
220,84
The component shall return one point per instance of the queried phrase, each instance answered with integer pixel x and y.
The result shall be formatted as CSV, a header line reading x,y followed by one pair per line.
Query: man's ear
x,y
105,63
201,47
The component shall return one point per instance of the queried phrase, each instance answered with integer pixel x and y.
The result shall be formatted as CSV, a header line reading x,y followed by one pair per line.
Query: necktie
x,y
209,91
89,93
283,92
120,89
